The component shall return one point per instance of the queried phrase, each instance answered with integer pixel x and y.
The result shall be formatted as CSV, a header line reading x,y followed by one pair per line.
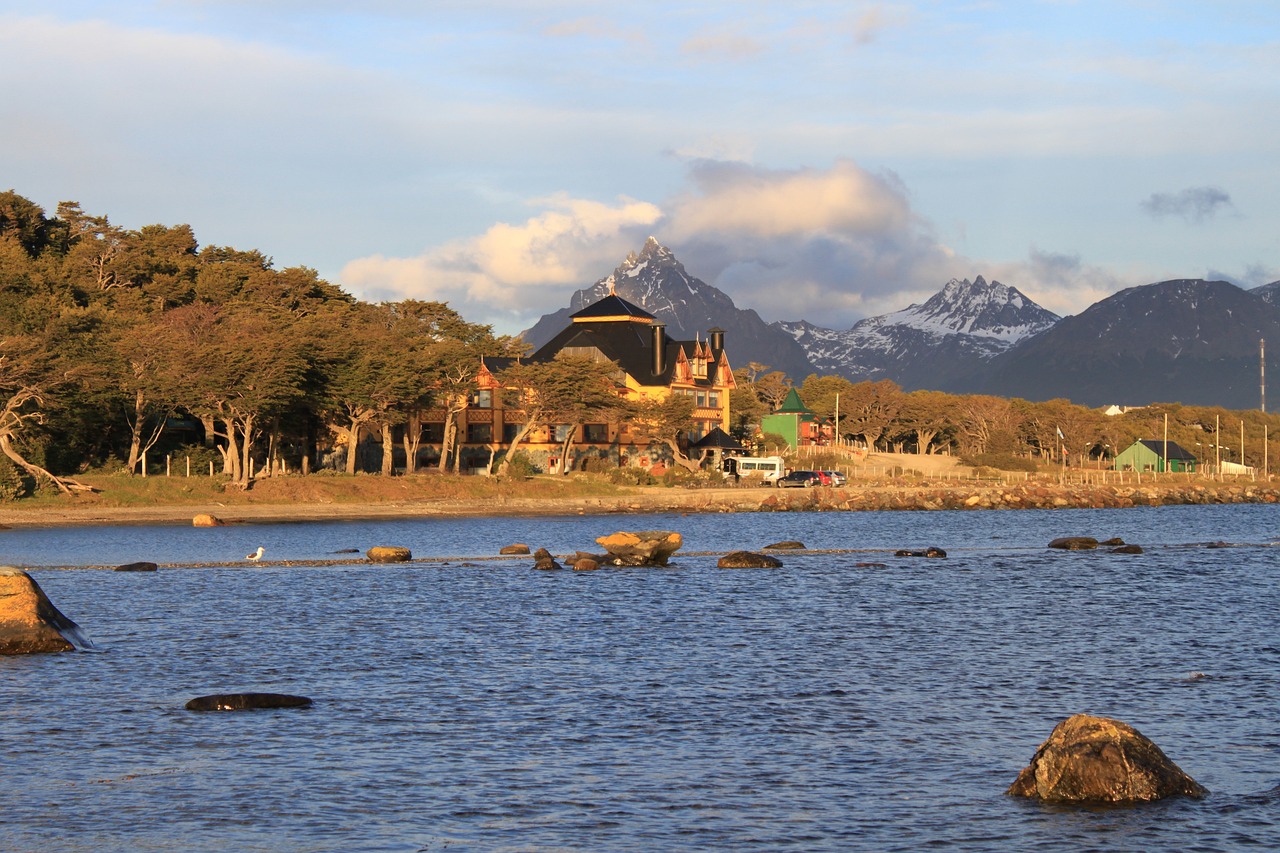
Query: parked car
x,y
800,480
836,478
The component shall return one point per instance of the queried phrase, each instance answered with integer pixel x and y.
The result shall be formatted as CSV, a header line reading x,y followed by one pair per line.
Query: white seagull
x,y
256,556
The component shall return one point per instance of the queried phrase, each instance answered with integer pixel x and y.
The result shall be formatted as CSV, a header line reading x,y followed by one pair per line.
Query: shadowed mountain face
x,y
658,283
1189,340
943,344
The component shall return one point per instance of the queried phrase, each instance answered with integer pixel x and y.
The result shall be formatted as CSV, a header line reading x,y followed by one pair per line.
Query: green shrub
x,y
598,465
14,482
520,467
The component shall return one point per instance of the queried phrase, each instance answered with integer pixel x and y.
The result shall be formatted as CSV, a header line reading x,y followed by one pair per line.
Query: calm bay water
x,y
484,706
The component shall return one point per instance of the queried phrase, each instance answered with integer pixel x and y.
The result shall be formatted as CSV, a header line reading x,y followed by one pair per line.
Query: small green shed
x,y
793,421
1149,455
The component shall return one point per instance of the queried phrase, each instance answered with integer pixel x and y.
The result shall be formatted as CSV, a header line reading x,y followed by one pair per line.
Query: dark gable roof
x,y
1175,452
611,306
628,344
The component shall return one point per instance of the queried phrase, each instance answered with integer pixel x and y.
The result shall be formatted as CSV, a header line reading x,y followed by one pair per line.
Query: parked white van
x,y
764,468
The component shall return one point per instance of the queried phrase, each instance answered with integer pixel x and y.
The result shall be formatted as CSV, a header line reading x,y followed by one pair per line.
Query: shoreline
x,y
957,495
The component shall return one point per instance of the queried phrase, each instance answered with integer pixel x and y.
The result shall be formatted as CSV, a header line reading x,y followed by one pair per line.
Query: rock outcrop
x,y
1098,760
519,548
748,560
246,702
29,623
388,554
644,548
204,519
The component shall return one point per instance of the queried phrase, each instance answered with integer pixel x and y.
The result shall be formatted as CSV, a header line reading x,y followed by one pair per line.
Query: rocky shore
x,y
939,495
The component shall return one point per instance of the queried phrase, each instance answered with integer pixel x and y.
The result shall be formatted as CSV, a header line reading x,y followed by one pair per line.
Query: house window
x,y
482,399
433,433
561,431
713,399
479,433
509,432
595,433
702,399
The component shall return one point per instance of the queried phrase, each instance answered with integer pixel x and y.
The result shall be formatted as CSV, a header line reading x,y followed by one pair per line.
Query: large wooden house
x,y
651,365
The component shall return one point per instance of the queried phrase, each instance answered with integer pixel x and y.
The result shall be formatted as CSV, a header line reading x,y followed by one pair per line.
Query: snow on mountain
x,y
931,345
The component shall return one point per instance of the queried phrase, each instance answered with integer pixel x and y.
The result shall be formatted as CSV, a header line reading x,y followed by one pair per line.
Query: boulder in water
x,y
748,560
517,548
388,554
141,566
643,548
246,701
585,564
29,623
788,545
1074,543
204,519
1098,760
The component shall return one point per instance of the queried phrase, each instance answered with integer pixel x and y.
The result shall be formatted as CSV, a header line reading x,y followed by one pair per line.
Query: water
x,y
478,705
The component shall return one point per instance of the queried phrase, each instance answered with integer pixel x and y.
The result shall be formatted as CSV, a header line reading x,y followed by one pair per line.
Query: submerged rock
x,y
748,560
547,563
1099,760
141,566
644,548
788,545
388,554
246,702
29,623
585,564
1127,549
931,552
1074,543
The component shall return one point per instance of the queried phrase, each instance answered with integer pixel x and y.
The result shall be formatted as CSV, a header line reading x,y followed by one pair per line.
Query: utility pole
x,y
1262,372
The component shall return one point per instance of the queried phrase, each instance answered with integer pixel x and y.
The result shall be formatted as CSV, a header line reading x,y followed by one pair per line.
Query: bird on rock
x,y
257,555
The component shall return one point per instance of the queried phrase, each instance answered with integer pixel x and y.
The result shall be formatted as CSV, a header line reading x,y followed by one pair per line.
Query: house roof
x,y
630,345
612,307
792,405
718,438
1175,451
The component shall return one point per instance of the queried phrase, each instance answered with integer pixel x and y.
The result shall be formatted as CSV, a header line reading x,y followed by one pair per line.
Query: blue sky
x,y
816,160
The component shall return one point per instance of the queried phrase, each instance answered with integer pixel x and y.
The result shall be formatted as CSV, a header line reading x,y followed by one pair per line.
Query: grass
x,y
122,490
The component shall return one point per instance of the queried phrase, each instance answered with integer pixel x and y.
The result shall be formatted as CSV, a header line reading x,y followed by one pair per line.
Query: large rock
x,y
388,554
246,701
748,560
644,548
1074,543
517,548
29,623
788,545
204,519
1098,760
141,566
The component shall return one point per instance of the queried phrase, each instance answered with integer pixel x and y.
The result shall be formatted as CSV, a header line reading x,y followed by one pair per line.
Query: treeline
x,y
882,416
113,340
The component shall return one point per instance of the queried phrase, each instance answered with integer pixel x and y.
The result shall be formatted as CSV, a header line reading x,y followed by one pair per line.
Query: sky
x,y
815,160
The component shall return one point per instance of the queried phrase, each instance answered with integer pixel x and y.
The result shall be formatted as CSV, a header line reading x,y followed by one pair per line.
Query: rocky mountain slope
x,y
658,283
943,344
1188,340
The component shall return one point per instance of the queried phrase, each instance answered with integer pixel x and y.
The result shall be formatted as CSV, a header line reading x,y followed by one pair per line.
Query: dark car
x,y
800,479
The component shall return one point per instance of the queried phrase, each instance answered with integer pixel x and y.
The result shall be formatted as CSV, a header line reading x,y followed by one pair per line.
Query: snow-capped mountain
x,y
657,282
941,344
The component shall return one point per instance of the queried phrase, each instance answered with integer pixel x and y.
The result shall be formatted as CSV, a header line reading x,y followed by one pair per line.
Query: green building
x,y
1147,455
797,424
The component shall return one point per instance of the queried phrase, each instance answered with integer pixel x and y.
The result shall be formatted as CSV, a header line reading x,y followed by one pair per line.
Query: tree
x,y
237,366
988,424
871,408
668,422
927,414
568,390
828,396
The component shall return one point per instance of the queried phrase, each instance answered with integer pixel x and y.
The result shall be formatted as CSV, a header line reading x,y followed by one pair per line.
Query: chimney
x,y
659,342
716,336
